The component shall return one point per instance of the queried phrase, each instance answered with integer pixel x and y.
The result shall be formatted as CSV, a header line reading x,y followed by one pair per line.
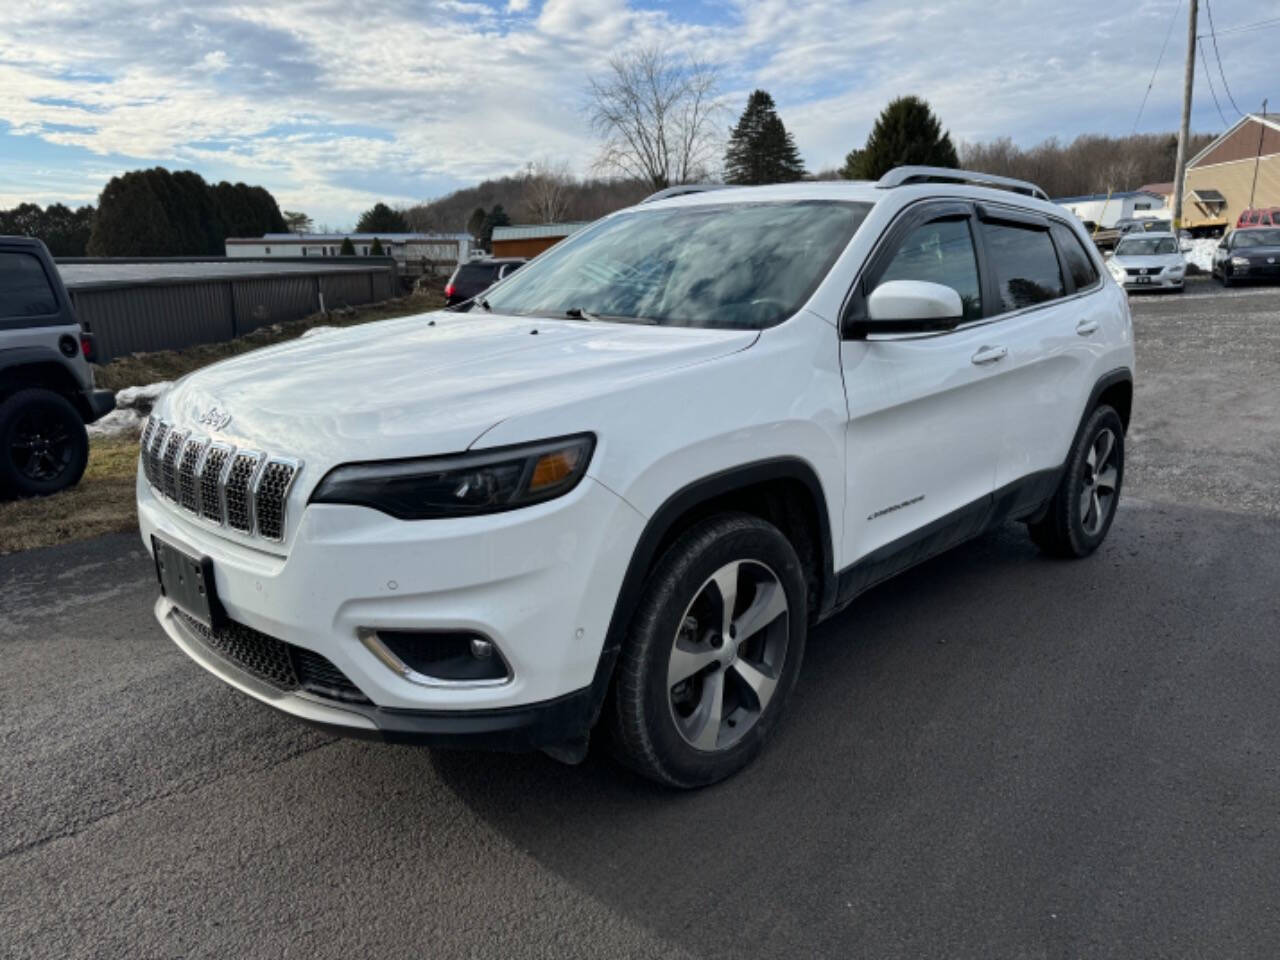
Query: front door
x,y
925,411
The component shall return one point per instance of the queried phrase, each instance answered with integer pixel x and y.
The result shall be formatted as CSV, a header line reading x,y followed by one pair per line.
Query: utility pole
x,y
1184,132
1262,129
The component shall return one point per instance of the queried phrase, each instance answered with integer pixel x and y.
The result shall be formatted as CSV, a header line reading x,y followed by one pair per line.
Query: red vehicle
x,y
1259,217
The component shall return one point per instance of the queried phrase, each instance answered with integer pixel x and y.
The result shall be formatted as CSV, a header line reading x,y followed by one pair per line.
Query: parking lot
x,y
995,755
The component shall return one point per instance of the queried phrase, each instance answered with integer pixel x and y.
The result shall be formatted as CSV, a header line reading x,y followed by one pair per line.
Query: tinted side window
x,y
1079,265
24,289
1025,265
940,252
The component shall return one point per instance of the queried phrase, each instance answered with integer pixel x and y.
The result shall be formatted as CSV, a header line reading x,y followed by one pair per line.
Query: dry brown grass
x,y
103,501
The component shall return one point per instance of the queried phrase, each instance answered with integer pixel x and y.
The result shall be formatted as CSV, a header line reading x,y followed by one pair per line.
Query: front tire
x,y
43,444
1081,511
712,653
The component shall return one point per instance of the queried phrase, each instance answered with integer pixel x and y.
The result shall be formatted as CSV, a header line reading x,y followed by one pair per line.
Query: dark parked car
x,y
46,384
477,276
1249,254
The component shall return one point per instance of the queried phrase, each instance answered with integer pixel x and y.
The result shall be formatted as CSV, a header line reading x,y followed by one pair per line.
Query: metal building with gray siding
x,y
164,304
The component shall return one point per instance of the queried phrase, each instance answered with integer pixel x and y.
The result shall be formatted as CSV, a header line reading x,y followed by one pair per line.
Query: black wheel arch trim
x,y
678,504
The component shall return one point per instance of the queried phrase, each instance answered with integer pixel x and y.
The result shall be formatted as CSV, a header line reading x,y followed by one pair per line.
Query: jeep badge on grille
x,y
215,418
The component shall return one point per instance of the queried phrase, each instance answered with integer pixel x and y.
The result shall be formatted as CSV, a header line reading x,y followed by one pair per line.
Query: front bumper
x,y
529,727
98,403
539,582
1158,282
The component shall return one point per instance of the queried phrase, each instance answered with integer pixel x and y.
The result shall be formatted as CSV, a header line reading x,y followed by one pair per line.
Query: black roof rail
x,y
901,176
680,189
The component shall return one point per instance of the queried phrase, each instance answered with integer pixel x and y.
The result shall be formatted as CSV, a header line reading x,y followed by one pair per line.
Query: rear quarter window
x,y
481,273
1025,265
1079,263
25,291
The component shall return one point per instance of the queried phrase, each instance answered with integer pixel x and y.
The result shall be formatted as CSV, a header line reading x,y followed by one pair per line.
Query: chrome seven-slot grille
x,y
245,490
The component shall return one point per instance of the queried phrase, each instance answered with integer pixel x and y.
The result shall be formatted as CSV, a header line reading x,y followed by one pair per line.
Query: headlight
x,y
1175,268
1240,262
466,484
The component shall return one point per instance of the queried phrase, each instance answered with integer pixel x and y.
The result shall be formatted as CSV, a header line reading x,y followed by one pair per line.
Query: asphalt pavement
x,y
995,755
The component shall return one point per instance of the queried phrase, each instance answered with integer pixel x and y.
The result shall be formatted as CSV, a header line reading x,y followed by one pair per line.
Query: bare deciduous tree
x,y
658,116
544,196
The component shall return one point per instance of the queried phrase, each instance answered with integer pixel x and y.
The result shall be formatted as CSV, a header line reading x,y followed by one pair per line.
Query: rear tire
x,y
43,444
700,689
1084,505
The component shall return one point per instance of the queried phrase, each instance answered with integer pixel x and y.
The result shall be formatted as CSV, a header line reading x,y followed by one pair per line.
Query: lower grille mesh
x,y
280,664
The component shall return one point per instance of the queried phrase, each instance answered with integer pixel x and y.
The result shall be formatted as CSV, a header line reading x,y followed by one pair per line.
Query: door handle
x,y
989,355
1086,327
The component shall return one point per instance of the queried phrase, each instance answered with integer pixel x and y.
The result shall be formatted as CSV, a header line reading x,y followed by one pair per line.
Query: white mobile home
x,y
1106,210
414,253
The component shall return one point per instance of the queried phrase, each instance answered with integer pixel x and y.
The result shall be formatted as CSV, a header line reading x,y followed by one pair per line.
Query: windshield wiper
x,y
577,313
484,303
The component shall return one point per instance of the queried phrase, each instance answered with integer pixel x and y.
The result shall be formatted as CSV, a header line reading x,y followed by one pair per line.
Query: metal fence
x,y
170,313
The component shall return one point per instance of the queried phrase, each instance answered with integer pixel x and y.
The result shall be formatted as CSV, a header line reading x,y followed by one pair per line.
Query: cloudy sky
x,y
334,104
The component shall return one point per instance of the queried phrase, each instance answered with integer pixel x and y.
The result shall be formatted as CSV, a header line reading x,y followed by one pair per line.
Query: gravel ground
x,y
995,755
1206,419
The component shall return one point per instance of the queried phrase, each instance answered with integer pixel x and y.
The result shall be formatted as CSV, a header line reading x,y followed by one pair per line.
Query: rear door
x,y
1052,324
925,410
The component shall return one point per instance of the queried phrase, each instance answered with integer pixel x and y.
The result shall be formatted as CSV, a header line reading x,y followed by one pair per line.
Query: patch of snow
x,y
1201,253
312,331
118,421
141,399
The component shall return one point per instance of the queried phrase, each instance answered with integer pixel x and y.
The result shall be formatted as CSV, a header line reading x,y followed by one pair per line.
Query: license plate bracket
x,y
187,581
1143,279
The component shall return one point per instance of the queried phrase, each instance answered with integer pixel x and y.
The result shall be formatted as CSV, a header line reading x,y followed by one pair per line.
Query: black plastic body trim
x,y
549,723
660,524
1015,501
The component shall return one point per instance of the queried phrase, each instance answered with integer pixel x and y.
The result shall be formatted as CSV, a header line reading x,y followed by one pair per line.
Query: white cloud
x,y
333,104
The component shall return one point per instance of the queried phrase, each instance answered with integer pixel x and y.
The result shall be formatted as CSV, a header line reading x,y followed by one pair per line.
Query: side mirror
x,y
1185,245
909,306
1108,254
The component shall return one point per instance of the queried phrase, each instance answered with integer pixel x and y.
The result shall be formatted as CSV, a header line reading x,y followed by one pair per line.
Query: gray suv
x,y
46,384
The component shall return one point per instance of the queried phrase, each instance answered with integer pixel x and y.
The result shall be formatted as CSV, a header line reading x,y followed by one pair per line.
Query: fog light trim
x,y
375,645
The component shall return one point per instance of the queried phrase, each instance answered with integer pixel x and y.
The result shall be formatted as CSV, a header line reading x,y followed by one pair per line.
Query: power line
x,y
1208,76
1169,33
1213,33
1256,25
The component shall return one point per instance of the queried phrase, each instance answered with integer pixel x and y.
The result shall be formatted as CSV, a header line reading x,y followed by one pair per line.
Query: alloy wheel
x,y
728,654
40,446
1101,473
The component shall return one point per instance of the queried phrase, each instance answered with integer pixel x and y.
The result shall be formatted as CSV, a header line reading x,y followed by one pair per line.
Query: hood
x,y
426,384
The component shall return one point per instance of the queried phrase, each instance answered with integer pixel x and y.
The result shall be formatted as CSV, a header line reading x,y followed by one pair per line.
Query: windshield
x,y
1257,238
1146,246
729,265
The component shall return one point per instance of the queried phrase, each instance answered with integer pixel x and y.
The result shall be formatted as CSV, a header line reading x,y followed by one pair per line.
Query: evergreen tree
x,y
475,223
497,217
348,249
905,133
131,220
760,149
382,219
376,249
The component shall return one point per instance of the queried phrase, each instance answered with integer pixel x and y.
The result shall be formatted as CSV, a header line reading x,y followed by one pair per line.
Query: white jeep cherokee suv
x,y
621,487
